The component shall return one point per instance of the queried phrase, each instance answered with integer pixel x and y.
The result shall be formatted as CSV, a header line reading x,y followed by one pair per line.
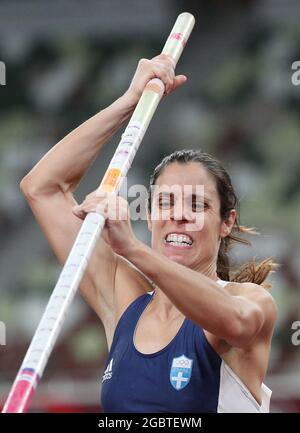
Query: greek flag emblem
x,y
181,371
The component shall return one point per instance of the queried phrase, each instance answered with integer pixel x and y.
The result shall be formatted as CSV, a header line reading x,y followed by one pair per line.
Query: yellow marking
x,y
154,88
110,180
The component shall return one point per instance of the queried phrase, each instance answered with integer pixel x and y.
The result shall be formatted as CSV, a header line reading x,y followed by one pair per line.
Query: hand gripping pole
x,y
54,315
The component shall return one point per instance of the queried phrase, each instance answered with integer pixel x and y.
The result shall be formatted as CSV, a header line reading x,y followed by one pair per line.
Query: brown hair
x,y
248,272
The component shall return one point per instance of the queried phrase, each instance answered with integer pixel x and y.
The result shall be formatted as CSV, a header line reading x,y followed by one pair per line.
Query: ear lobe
x,y
228,231
224,230
228,224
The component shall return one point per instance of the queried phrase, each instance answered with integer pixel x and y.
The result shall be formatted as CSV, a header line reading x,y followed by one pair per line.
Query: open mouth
x,y
179,240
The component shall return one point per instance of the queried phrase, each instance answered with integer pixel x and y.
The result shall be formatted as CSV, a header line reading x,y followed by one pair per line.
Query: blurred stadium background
x,y
65,61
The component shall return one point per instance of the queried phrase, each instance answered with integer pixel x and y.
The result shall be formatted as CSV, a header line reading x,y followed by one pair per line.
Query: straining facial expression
x,y
185,220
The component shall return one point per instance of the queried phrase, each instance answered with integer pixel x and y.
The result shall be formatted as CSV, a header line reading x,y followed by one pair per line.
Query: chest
x,y
152,335
174,380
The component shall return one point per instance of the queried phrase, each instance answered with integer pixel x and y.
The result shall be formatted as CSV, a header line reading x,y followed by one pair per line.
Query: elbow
x,y
28,187
33,188
243,327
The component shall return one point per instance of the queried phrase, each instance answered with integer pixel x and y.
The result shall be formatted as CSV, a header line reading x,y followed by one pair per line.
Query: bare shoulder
x,y
250,361
258,295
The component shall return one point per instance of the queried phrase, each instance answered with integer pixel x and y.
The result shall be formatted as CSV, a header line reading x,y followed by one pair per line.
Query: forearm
x,y
67,162
198,297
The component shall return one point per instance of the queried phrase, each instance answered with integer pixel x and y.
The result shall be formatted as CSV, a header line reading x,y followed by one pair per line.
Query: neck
x,y
163,307
209,269
161,304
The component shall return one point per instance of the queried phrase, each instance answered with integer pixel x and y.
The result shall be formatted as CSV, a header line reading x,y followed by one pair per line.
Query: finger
x,y
90,195
94,199
81,207
144,62
117,209
167,64
78,212
89,206
101,193
165,58
102,209
163,74
169,89
179,80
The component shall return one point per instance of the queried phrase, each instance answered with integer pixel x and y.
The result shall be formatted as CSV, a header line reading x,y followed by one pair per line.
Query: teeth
x,y
180,240
179,244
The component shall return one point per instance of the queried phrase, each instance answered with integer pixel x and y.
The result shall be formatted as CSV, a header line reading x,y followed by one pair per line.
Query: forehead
x,y
191,173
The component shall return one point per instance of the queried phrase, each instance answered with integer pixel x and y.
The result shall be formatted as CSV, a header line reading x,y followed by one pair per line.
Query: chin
x,y
177,258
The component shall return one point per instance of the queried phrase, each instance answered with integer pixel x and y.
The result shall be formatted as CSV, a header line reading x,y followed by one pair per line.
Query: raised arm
x,y
49,186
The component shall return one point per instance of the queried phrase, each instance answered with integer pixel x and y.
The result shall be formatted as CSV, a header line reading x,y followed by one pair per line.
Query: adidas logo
x,y
108,372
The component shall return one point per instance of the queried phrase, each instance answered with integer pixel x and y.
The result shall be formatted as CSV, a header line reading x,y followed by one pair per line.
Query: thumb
x,y
179,81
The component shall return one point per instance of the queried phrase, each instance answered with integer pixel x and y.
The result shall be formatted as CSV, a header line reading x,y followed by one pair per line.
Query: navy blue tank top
x,y
182,377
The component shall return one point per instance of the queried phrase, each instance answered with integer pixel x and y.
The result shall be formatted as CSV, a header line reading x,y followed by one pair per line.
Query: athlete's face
x,y
185,202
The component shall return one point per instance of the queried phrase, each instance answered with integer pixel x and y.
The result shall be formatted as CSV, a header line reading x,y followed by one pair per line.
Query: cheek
x,y
156,231
211,227
160,215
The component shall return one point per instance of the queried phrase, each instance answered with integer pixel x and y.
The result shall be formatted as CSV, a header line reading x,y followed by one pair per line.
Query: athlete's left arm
x,y
237,319
253,297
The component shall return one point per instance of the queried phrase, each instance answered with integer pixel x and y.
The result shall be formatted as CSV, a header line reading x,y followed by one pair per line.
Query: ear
x,y
226,226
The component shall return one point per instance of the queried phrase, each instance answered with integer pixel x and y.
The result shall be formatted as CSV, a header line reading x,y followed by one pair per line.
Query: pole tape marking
x,y
111,179
179,37
29,375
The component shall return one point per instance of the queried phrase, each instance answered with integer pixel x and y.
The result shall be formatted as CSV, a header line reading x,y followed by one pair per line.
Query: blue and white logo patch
x,y
181,371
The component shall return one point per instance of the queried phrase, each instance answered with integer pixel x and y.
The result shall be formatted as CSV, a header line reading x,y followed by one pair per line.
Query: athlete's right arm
x,y
49,188
50,185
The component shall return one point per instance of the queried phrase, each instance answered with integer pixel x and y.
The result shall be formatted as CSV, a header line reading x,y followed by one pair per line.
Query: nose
x,y
181,212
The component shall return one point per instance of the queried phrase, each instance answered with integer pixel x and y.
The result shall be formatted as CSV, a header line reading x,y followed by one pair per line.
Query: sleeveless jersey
x,y
185,376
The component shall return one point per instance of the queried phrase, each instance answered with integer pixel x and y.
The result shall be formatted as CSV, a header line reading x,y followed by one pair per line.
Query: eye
x,y
198,206
164,204
165,201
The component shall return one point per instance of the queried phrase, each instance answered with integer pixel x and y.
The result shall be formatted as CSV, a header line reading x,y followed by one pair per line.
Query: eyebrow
x,y
194,196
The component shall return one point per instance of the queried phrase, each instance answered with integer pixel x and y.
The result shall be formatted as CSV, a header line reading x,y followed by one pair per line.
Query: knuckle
x,y
143,61
171,61
164,57
100,200
101,203
100,193
161,71
90,195
99,208
168,60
